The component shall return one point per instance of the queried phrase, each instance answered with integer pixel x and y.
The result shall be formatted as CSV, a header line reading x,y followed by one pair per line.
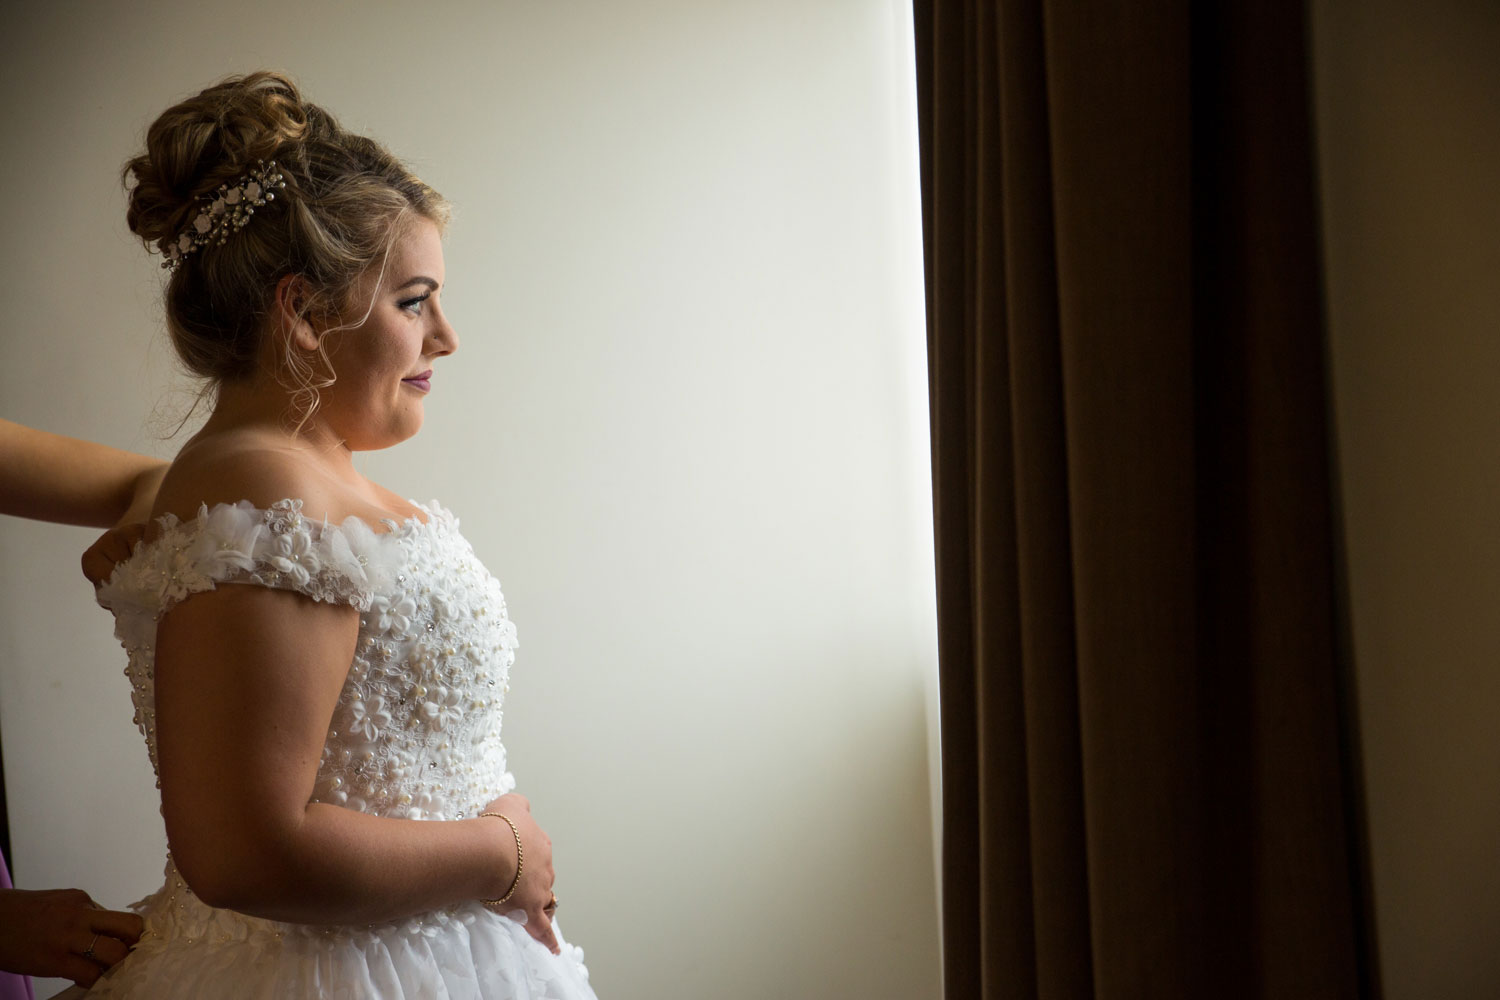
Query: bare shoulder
x,y
236,466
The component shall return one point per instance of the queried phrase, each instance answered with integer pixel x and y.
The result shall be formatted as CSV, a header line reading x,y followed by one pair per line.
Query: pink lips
x,y
422,381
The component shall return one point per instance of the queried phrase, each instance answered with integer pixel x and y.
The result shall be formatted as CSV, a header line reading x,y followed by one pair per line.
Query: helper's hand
x,y
115,545
62,932
533,896
109,550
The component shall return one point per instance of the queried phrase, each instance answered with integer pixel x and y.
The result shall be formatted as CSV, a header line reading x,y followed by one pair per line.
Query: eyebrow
x,y
420,279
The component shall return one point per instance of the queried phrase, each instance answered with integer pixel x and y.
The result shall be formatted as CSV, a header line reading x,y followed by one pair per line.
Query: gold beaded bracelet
x,y
517,880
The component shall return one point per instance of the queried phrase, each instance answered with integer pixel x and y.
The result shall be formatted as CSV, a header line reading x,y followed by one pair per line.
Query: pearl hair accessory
x,y
226,213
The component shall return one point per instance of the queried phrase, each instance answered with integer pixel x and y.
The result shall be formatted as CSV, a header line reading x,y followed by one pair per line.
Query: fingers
x,y
120,926
111,548
107,950
539,925
73,897
62,932
96,568
79,969
104,939
128,536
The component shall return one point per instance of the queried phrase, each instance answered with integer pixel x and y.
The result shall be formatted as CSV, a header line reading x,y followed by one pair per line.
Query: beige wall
x,y
1409,107
686,429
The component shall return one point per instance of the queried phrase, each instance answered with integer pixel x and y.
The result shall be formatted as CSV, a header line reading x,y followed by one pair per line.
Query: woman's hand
x,y
115,545
533,896
62,932
109,550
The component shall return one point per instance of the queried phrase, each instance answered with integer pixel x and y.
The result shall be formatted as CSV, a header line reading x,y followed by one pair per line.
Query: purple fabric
x,y
12,986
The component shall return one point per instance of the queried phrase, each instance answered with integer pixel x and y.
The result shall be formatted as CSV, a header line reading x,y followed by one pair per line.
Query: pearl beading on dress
x,y
415,734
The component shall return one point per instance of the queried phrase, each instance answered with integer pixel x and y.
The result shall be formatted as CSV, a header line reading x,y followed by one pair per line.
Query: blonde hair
x,y
342,208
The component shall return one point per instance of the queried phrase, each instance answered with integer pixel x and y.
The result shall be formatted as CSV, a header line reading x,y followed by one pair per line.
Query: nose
x,y
443,339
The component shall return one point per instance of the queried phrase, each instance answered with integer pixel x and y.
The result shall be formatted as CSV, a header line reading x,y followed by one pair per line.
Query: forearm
x,y
51,477
341,866
143,489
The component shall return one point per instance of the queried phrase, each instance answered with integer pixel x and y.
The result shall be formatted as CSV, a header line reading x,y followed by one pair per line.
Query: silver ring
x,y
90,953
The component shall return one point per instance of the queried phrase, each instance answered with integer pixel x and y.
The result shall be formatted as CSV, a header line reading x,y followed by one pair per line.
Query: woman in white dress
x,y
317,665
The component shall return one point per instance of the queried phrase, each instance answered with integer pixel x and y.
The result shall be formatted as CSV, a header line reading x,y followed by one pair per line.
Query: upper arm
x,y
51,477
247,679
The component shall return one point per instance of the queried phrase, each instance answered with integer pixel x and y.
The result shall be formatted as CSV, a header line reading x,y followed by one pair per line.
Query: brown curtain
x,y
1146,776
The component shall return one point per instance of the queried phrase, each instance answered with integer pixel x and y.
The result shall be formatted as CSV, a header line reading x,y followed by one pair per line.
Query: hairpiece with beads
x,y
225,213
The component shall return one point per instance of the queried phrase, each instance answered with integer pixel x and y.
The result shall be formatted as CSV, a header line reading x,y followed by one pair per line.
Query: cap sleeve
x,y
277,547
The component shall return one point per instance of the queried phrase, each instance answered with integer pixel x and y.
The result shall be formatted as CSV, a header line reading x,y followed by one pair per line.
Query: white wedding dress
x,y
416,734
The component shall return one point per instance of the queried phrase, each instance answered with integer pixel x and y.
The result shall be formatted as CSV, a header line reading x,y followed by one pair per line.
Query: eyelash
x,y
407,305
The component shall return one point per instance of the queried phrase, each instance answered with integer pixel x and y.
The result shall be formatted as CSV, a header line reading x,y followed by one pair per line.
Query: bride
x,y
318,665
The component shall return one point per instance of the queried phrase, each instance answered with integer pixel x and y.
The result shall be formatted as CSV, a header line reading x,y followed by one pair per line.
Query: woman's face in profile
x,y
384,367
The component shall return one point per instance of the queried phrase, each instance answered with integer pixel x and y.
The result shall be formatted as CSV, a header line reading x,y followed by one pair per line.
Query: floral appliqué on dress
x,y
416,731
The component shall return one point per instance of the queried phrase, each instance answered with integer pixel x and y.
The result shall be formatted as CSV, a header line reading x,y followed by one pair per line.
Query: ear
x,y
292,315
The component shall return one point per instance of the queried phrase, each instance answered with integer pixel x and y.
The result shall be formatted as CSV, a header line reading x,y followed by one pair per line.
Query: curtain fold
x,y
1143,777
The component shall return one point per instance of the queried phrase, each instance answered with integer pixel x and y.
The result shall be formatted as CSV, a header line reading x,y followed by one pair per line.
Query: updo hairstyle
x,y
342,207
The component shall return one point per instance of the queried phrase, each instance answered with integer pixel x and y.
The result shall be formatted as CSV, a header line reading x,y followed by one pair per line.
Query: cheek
x,y
383,365
370,368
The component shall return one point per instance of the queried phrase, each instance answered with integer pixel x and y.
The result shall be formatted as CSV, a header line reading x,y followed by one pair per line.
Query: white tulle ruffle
x,y
190,949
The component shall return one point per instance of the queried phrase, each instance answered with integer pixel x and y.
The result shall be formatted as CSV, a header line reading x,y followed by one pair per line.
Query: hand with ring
x,y
63,933
532,899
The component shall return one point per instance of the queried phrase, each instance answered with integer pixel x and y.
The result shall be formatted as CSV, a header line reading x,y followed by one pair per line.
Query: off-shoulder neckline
x,y
244,526
433,512
170,527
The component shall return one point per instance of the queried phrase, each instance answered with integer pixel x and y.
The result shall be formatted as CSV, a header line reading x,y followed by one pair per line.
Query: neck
x,y
264,406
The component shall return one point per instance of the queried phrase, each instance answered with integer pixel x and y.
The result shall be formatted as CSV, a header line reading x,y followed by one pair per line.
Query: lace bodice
x,y
416,732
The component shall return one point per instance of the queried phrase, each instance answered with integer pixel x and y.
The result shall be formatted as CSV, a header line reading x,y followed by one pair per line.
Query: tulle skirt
x,y
190,949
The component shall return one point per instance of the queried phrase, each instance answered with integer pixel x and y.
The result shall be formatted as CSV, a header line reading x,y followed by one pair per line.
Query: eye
x,y
414,305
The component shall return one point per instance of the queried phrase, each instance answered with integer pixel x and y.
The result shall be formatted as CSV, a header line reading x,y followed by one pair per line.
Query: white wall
x,y
1408,106
686,428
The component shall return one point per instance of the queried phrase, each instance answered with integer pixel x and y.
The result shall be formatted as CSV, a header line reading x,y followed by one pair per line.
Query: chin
x,y
388,437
